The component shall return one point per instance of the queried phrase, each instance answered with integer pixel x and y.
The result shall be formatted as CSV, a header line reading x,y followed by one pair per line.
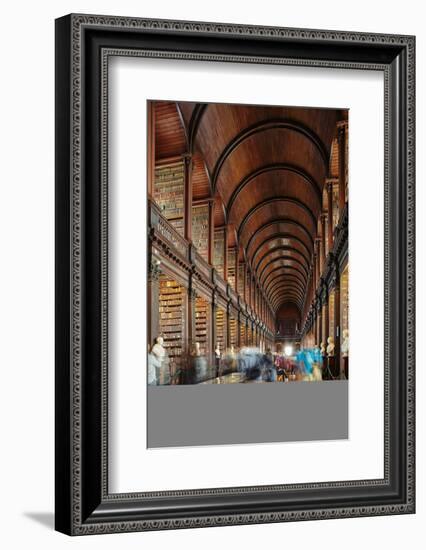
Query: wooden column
x,y
318,249
151,148
323,237
213,330
188,196
225,253
247,288
228,327
190,315
244,281
337,331
314,322
330,214
341,138
153,290
211,232
326,320
236,268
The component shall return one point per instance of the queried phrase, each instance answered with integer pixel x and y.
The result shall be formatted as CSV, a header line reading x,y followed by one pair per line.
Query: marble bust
x,y
322,348
197,350
158,349
345,343
330,346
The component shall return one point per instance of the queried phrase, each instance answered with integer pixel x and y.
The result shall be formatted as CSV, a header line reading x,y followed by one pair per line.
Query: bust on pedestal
x,y
159,352
330,346
345,352
217,359
200,364
331,359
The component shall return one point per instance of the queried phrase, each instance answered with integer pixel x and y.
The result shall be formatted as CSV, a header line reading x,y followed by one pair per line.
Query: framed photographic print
x,y
234,274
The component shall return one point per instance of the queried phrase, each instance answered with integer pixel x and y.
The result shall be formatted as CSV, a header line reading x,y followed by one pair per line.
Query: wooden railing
x,y
163,227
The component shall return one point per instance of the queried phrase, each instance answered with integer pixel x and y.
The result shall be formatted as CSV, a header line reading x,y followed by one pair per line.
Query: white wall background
x,y
26,289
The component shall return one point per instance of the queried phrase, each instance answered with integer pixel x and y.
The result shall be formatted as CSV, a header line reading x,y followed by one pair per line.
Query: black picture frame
x,y
83,504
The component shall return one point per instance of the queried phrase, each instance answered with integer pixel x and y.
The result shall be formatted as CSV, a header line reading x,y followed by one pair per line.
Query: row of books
x,y
171,318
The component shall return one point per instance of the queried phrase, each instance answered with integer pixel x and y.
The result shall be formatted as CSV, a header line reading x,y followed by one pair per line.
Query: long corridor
x,y
248,243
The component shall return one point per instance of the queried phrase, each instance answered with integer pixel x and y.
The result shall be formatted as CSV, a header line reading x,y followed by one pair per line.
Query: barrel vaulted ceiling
x,y
266,168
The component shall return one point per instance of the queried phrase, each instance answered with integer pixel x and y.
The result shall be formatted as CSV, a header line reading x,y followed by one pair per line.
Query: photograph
x,y
248,243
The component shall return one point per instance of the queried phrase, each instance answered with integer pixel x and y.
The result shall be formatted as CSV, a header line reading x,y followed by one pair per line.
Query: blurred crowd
x,y
248,364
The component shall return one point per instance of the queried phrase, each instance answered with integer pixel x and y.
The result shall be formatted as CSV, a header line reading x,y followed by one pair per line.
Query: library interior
x,y
248,260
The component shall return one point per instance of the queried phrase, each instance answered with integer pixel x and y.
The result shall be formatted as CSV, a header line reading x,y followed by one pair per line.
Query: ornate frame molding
x,y
83,504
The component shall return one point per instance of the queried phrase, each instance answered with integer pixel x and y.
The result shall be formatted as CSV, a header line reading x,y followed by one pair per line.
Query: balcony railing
x,y
163,227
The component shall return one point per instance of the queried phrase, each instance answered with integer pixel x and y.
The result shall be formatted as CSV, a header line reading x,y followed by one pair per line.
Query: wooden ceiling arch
x,y
300,266
265,281
278,282
295,283
276,167
284,276
194,123
287,271
283,292
289,290
261,127
273,250
277,303
295,224
279,237
284,199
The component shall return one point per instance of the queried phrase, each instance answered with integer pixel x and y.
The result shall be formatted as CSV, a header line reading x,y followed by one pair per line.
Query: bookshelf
x,y
336,212
331,326
324,327
240,288
344,299
202,324
242,334
231,267
219,251
220,329
327,248
233,332
169,193
247,293
172,321
200,229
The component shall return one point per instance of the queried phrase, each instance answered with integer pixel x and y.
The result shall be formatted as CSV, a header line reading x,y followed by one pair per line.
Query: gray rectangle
x,y
227,414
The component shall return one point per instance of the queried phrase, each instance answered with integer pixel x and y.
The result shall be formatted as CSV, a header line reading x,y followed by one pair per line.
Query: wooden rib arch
x,y
262,126
282,198
276,237
275,260
295,269
294,274
285,290
194,123
277,303
278,248
275,221
285,279
277,167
